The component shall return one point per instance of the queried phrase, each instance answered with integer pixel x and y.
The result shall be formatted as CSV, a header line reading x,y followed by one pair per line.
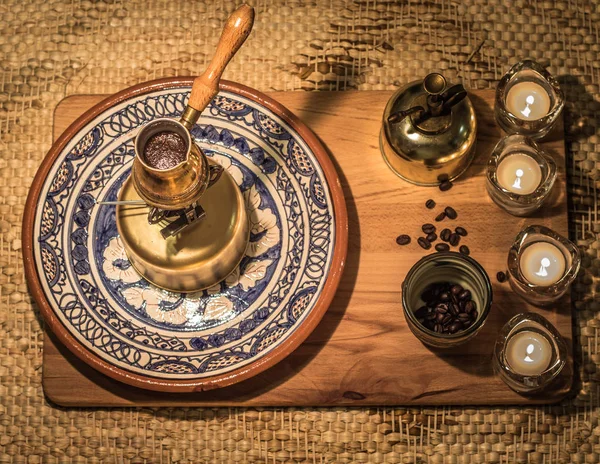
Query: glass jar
x,y
512,202
529,73
537,294
446,267
529,324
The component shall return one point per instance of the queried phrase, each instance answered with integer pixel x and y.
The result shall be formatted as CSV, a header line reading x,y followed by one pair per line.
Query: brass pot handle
x,y
206,86
214,173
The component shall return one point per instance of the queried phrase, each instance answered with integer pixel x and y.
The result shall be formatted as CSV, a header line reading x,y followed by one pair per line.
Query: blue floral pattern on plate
x,y
130,323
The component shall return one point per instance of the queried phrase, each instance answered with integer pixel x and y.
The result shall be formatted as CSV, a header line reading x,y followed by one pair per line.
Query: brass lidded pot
x,y
429,131
184,225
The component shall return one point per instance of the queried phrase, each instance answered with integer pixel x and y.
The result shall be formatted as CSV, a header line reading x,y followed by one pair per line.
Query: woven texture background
x,y
53,48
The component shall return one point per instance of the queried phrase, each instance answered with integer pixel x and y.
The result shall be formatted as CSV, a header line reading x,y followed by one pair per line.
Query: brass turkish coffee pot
x,y
196,230
429,131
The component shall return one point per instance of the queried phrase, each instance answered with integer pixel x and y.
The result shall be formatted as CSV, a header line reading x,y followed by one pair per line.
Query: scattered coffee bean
x,y
440,217
464,249
461,231
403,239
428,228
501,276
424,243
445,234
451,212
430,204
454,239
432,237
442,247
445,186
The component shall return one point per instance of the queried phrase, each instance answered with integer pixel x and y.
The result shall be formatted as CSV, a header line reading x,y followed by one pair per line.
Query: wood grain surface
x,y
362,352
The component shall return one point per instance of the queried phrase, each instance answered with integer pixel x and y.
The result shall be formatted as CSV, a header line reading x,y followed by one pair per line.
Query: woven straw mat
x,y
50,49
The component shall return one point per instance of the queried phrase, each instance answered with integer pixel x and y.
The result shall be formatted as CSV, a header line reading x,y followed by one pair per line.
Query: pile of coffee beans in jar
x,y
449,308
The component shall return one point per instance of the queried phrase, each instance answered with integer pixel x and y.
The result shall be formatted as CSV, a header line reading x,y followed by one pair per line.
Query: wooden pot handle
x,y
236,31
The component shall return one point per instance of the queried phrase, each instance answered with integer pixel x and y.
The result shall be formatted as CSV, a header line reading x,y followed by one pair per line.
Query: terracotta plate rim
x,y
270,359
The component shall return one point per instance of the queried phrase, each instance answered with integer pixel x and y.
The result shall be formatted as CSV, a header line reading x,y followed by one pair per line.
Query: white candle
x,y
528,101
542,263
519,173
528,353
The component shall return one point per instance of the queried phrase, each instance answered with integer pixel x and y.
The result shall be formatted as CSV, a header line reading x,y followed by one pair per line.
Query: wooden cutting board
x,y
362,352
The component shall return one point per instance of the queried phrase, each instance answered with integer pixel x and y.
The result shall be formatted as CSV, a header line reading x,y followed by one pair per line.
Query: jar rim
x,y
484,312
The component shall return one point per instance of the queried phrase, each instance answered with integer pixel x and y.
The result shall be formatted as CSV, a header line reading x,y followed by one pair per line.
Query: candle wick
x,y
544,264
528,101
519,173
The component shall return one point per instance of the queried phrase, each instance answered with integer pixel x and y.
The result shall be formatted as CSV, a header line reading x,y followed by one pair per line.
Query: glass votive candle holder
x,y
542,265
529,353
520,175
446,269
528,100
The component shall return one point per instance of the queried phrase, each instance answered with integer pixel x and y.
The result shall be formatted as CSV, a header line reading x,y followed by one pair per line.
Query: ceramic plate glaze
x,y
112,318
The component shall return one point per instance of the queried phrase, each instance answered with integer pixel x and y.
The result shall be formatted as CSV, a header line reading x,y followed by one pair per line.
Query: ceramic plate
x,y
112,318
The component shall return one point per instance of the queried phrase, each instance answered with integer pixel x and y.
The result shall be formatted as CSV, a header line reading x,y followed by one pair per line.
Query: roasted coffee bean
x,y
442,247
432,237
423,243
469,306
454,239
451,212
440,217
464,249
430,204
455,327
430,316
501,276
440,317
466,324
445,186
454,309
403,239
444,297
463,317
456,289
461,231
464,295
474,315
437,328
447,319
428,228
442,308
445,234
